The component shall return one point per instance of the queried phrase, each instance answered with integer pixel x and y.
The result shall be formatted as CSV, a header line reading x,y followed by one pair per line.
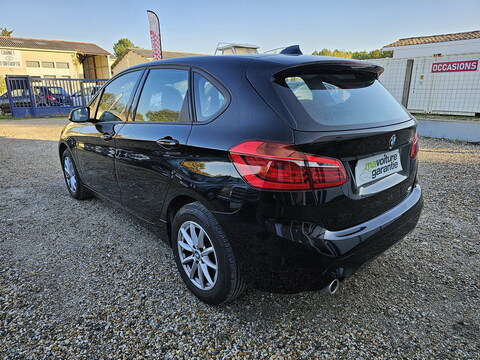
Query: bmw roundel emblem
x,y
392,141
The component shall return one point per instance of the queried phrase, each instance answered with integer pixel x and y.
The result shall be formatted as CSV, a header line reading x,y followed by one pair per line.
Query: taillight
x,y
326,172
278,166
414,146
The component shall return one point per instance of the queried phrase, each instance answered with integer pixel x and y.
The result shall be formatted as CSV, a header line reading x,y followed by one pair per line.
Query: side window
x,y
164,96
208,98
115,98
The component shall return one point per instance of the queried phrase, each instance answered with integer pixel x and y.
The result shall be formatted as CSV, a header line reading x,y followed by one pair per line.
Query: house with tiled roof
x,y
135,56
435,74
53,58
445,44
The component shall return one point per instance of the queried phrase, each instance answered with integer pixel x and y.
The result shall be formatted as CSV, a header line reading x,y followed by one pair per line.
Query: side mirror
x,y
79,115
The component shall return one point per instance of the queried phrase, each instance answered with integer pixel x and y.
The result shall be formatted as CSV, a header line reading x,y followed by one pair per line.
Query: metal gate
x,y
43,97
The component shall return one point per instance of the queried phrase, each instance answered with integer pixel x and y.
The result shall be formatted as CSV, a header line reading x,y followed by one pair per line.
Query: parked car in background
x,y
20,98
88,93
43,96
4,104
51,96
253,183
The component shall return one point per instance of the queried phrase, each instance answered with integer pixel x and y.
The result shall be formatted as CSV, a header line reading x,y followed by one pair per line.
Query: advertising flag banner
x,y
154,24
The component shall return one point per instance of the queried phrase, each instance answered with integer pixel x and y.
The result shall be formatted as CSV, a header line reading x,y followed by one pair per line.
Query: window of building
x,y
48,64
65,76
208,98
116,98
33,64
62,65
49,76
164,96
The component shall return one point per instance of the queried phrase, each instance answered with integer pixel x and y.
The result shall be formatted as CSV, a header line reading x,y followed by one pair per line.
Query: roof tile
x,y
148,54
436,38
60,45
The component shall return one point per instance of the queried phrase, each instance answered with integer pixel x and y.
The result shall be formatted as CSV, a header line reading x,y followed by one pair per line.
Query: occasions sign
x,y
454,66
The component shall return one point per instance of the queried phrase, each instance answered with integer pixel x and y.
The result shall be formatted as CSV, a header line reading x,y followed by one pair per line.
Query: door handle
x,y
107,136
167,141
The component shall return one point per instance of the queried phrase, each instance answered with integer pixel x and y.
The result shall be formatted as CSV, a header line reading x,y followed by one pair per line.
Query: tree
x,y
359,55
121,45
5,32
3,85
375,54
162,115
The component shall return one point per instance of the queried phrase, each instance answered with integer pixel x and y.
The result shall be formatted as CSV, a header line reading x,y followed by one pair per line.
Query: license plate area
x,y
377,167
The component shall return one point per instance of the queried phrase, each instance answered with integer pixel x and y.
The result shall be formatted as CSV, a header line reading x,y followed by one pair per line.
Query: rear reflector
x,y
415,145
278,166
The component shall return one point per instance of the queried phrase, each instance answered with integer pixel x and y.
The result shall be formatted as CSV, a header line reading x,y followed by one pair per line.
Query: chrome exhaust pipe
x,y
332,287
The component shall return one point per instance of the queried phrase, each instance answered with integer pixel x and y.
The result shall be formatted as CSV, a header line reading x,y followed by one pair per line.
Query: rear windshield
x,y
339,99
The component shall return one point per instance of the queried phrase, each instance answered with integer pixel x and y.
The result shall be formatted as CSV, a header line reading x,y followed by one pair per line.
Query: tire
x,y
210,285
74,185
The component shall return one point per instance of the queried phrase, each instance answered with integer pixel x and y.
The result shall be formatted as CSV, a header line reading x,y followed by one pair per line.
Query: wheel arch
x,y
61,149
176,204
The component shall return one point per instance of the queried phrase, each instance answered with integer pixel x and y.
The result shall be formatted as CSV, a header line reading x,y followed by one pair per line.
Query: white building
x,y
440,45
435,74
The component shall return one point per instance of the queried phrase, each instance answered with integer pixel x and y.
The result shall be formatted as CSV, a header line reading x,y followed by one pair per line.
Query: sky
x,y
197,26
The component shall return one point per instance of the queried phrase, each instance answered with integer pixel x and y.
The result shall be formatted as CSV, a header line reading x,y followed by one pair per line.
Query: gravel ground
x,y
86,280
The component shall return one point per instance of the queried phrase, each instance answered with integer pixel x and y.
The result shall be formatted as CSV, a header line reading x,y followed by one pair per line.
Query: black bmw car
x,y
282,172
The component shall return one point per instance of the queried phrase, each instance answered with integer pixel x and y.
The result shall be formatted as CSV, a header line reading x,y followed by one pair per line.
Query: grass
x,y
9,117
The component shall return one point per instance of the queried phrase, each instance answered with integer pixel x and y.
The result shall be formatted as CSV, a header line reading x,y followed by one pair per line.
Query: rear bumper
x,y
294,256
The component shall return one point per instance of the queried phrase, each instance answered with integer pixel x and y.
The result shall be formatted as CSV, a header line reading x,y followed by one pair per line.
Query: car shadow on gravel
x,y
89,277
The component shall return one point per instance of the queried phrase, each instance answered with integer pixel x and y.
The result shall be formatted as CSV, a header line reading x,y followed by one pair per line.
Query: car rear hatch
x,y
338,109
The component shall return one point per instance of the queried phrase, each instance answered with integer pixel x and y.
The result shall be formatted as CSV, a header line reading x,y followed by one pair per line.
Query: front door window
x,y
164,96
113,105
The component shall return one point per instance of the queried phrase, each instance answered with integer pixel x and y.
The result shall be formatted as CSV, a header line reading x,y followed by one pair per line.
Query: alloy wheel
x,y
197,255
70,175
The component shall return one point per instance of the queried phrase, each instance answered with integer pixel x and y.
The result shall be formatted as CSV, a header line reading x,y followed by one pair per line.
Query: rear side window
x,y
342,98
164,96
114,102
209,100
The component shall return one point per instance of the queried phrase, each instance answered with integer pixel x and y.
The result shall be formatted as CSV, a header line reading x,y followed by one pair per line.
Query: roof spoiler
x,y
340,63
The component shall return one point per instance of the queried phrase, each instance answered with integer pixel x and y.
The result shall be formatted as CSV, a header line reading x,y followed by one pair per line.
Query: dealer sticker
x,y
377,167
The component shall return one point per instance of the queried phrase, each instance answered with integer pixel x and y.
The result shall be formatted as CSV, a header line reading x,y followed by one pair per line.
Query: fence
x,y
40,97
421,87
